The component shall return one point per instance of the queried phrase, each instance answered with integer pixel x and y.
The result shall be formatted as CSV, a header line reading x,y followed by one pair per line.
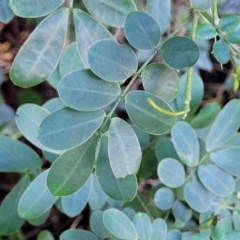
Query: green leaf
x,y
143,137
39,55
111,61
88,31
180,52
160,80
145,116
159,229
129,212
174,235
199,236
121,189
51,157
53,104
186,143
40,220
16,156
54,78
119,224
112,12
206,31
84,91
221,51
216,180
220,230
171,173
97,225
164,198
36,200
225,125
165,149
197,197
29,117
34,8
68,128
234,37
72,169
74,234
236,220
123,148
202,5
6,13
10,221
73,204
161,12
181,212
97,197
143,226
232,236
229,23
141,30
228,160
45,235
206,115
196,93
70,60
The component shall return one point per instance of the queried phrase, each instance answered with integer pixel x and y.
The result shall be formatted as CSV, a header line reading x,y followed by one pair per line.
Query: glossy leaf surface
x,y
197,197
186,143
143,226
141,30
225,125
123,148
73,204
117,188
180,52
216,180
40,54
70,60
10,221
16,156
145,116
72,169
160,80
111,61
6,13
84,91
171,173
68,128
110,12
161,12
119,224
88,31
34,8
36,199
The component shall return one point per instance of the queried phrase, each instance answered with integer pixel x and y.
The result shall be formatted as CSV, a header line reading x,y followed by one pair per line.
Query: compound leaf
x,y
164,198
6,13
143,226
73,234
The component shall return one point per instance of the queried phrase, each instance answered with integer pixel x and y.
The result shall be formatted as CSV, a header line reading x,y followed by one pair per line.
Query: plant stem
x,y
144,207
16,135
215,13
222,205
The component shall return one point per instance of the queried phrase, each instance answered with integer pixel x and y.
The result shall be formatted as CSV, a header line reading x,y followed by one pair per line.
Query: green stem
x,y
222,205
215,13
144,207
16,135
